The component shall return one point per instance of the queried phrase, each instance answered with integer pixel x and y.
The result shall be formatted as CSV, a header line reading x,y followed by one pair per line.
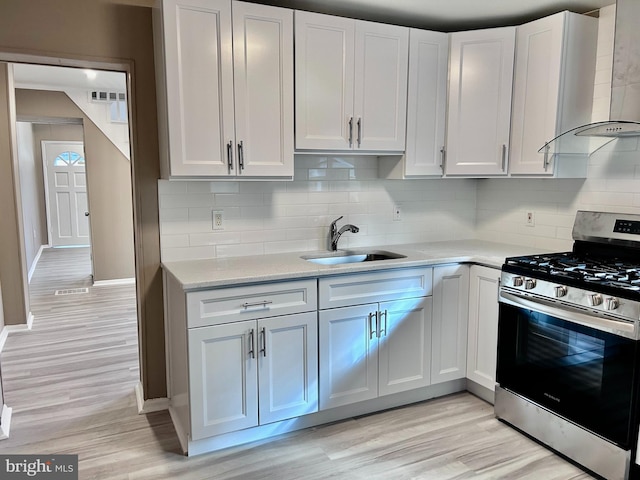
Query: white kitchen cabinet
x,y
225,83
479,111
482,344
351,84
450,317
553,90
251,373
367,351
426,110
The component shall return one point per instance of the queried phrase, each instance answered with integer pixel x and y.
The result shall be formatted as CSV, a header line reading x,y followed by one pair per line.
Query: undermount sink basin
x,y
351,256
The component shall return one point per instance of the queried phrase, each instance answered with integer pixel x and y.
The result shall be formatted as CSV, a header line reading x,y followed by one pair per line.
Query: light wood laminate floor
x,y
70,382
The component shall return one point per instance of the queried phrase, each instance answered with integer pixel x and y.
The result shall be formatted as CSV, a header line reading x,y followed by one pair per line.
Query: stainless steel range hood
x,y
624,109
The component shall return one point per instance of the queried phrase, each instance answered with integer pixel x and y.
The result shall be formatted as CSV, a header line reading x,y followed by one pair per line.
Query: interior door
x,y
66,187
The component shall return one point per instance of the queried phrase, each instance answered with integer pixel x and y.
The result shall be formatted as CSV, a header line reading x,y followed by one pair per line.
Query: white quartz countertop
x,y
223,272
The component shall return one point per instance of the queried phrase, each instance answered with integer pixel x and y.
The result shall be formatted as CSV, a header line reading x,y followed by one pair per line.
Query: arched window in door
x,y
68,159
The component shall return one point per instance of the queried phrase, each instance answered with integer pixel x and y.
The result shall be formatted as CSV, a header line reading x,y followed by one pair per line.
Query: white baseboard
x,y
151,405
115,281
35,262
3,337
5,422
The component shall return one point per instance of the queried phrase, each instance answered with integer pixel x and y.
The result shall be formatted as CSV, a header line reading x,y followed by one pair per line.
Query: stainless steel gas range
x,y
568,367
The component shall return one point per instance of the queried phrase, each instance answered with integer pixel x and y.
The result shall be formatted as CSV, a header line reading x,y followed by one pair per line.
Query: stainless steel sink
x,y
351,256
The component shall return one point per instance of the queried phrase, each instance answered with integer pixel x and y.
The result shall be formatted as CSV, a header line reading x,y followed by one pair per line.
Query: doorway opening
x,y
75,190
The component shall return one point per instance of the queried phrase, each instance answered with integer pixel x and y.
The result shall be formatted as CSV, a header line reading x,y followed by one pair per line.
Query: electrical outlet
x,y
218,220
530,219
397,213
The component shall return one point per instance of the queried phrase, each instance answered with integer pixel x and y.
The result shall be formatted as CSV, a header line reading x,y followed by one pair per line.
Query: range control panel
x,y
627,226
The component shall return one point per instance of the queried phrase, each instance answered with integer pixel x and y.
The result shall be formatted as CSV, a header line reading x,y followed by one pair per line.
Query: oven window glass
x,y
580,373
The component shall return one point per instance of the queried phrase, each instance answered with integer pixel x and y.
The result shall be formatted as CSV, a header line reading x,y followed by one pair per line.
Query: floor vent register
x,y
72,291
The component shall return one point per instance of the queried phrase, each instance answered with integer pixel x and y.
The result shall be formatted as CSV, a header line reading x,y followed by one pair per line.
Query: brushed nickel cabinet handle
x,y
372,331
382,331
230,156
263,341
251,344
443,157
359,131
241,155
350,124
546,157
504,157
263,303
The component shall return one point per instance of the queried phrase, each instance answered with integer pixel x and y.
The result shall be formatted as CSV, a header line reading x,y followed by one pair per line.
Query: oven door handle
x,y
573,315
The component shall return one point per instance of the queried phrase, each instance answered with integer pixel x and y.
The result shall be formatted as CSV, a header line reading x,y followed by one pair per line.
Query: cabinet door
x,y
288,366
223,378
426,112
380,111
535,92
552,91
199,76
481,77
324,66
404,349
263,81
348,355
483,326
450,316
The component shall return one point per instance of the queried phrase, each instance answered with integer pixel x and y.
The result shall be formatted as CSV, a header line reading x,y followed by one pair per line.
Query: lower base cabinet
x,y
450,317
250,373
245,357
482,348
371,350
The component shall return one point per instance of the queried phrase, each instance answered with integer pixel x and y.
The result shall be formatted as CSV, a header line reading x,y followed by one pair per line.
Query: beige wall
x,y
99,31
12,262
108,185
31,191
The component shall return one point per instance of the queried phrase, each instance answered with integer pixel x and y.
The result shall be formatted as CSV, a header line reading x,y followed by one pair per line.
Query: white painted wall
x,y
272,217
99,114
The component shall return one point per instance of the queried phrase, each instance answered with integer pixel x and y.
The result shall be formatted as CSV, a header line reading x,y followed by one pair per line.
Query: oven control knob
x,y
560,291
518,281
611,303
594,299
529,283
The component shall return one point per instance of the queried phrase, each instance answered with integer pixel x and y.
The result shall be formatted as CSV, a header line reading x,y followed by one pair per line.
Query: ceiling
x,y
441,15
444,15
42,77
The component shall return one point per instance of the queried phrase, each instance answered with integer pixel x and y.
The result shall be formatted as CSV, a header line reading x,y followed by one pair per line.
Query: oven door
x,y
584,373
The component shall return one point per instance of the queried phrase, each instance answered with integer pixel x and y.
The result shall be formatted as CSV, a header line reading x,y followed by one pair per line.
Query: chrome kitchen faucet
x,y
335,234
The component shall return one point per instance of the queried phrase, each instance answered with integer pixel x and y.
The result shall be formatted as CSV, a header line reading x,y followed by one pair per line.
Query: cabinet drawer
x,y
213,307
345,290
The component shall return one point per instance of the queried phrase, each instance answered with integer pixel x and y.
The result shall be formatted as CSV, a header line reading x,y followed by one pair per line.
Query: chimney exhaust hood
x,y
624,109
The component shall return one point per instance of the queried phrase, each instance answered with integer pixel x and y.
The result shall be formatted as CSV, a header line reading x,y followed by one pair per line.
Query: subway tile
x,y
186,200
171,187
240,250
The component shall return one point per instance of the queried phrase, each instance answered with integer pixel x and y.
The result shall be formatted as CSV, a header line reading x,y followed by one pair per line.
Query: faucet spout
x,y
335,234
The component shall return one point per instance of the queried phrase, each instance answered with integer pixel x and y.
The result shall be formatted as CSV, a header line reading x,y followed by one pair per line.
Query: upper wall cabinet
x,y
480,85
225,78
553,90
426,110
351,84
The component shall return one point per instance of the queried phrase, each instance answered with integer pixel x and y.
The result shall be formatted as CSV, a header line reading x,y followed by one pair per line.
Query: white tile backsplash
x,y
274,217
